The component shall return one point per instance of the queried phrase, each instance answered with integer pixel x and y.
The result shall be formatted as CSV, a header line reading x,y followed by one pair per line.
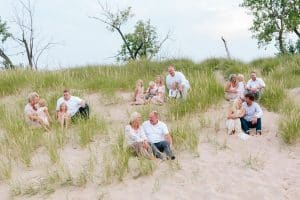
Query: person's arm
x,y
135,94
248,87
230,114
258,111
261,84
168,138
47,114
227,87
82,103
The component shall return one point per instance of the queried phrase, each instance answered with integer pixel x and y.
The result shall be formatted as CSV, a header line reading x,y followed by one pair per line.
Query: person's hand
x,y
253,89
254,120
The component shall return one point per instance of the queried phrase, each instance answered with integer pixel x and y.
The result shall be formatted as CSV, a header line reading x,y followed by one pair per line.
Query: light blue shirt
x,y
251,111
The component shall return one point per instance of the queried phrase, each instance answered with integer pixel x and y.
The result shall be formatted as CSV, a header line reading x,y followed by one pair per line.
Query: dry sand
x,y
225,167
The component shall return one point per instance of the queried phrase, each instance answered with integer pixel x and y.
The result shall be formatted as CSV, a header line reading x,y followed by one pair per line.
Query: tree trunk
x,y
28,53
226,48
9,64
297,32
126,43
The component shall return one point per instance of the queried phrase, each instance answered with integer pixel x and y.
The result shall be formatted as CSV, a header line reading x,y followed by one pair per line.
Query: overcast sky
x,y
196,26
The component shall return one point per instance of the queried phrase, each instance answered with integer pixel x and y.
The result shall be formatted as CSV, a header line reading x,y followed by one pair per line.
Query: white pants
x,y
233,125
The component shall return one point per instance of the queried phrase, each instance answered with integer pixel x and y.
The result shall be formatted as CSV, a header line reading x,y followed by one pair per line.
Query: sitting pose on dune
x,y
136,138
43,113
175,76
235,112
138,93
255,86
159,97
174,92
158,136
77,108
253,114
231,88
151,91
63,116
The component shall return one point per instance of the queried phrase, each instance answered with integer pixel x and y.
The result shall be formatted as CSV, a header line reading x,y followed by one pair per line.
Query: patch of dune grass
x,y
185,137
205,92
89,128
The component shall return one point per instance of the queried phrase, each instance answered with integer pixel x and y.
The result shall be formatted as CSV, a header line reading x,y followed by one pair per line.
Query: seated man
x,y
77,108
158,136
178,77
255,86
253,114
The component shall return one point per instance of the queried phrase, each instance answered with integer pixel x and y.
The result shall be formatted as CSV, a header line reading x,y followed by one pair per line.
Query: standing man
x,y
77,108
158,136
255,86
253,114
177,77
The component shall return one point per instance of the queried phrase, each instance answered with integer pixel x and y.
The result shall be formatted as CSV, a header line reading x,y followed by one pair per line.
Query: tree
x,y
24,19
273,19
4,35
143,42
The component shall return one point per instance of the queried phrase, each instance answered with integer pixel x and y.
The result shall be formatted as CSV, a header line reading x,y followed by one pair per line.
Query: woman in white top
x,y
136,138
234,114
231,87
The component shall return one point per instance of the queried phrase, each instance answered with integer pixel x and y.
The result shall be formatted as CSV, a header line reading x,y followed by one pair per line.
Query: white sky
x,y
196,27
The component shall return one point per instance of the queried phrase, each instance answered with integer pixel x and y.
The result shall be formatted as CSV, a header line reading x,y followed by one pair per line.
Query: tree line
x,y
273,21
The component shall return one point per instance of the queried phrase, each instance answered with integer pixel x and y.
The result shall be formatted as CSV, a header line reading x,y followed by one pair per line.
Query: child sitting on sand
x,y
43,114
63,116
174,91
138,93
241,86
151,91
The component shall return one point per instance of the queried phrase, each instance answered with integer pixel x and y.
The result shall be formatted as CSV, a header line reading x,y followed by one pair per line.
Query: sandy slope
x,y
225,167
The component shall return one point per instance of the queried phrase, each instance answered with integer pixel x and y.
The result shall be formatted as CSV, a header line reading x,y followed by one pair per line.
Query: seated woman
x,y
139,93
136,138
159,98
233,122
231,88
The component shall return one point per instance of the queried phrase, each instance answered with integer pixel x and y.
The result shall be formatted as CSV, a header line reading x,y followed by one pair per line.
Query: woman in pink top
x,y
139,93
160,90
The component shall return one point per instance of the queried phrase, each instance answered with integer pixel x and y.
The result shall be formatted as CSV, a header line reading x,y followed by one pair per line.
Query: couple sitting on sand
x,y
177,86
67,108
244,115
149,139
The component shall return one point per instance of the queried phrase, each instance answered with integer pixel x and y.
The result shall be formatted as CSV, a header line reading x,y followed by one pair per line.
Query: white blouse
x,y
132,136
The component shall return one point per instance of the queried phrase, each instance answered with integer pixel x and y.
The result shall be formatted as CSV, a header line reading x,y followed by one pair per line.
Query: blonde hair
x,y
134,116
151,83
63,104
240,77
42,102
32,95
235,105
161,80
140,81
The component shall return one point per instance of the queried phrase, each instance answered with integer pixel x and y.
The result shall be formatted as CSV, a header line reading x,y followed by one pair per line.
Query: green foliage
x,y
273,20
185,138
4,34
143,42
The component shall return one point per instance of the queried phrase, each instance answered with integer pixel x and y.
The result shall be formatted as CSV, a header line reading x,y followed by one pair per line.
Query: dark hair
x,y
66,90
250,96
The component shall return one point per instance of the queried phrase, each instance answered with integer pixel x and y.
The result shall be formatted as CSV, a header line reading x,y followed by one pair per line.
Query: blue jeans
x,y
160,147
246,125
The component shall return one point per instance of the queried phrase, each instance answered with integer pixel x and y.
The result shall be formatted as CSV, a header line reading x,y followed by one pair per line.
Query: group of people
x,y
68,108
244,113
177,87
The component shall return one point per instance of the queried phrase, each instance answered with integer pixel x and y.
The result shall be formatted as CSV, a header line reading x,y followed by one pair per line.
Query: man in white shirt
x,y
177,77
77,108
158,136
253,115
255,85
